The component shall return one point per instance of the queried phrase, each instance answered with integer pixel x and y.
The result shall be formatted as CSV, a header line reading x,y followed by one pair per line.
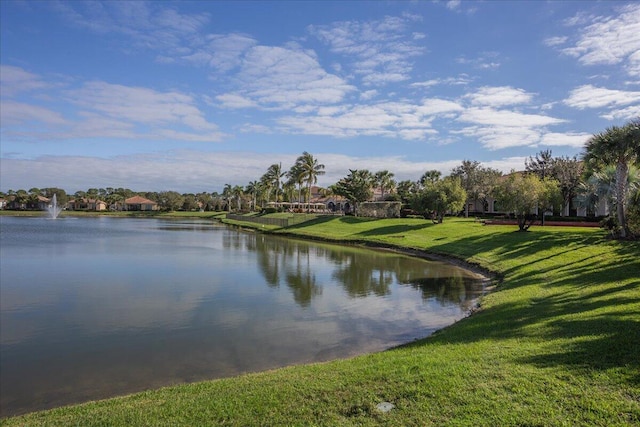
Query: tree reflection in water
x,y
360,272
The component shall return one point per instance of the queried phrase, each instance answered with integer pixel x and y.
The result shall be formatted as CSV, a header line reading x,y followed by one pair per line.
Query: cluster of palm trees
x,y
277,184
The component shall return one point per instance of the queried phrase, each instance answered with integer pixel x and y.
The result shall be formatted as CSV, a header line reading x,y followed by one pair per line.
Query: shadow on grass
x,y
584,309
314,221
395,229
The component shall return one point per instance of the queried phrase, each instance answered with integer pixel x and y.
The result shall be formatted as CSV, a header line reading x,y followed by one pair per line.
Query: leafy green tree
x,y
568,172
439,197
521,194
476,180
355,187
190,202
619,146
169,200
542,165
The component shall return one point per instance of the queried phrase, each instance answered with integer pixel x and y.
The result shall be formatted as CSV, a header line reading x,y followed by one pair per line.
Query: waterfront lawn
x,y
557,344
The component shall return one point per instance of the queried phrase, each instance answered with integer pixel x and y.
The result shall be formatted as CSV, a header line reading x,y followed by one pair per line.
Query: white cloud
x,y
555,41
499,129
576,140
14,80
17,114
148,25
623,113
589,96
140,105
486,61
232,100
281,78
453,4
461,80
388,119
609,39
224,52
499,96
380,51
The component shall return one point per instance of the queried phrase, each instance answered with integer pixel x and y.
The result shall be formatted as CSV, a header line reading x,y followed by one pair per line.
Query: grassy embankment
x,y
557,344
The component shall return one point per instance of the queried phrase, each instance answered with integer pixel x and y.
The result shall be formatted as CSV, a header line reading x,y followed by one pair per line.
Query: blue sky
x,y
189,96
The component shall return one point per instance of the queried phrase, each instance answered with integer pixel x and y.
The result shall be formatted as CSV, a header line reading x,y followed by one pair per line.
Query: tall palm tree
x,y
384,181
227,193
253,188
237,192
296,176
274,177
619,146
310,170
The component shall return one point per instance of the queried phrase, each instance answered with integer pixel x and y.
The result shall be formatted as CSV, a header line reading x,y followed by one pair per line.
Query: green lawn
x,y
557,344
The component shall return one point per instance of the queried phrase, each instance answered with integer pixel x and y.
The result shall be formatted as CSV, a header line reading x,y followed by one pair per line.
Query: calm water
x,y
96,307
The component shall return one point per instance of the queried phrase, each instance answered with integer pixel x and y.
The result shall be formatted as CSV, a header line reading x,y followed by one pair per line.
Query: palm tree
x,y
384,181
296,176
227,193
274,177
237,193
310,170
601,185
619,146
253,188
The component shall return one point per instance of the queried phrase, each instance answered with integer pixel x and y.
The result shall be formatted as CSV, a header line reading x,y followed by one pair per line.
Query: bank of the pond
x,y
557,344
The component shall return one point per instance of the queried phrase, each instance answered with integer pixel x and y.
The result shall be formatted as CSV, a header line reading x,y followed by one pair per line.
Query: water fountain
x,y
53,208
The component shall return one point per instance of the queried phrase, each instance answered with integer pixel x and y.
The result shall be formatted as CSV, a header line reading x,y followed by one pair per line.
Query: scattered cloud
x,y
498,96
14,80
486,61
499,129
589,96
148,25
461,80
576,140
609,40
283,78
556,41
380,50
99,109
453,4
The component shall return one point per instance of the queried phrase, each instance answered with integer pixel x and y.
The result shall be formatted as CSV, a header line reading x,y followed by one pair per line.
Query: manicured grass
x,y
557,344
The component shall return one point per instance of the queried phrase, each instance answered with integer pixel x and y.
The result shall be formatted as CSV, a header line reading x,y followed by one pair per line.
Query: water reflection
x,y
359,272
94,307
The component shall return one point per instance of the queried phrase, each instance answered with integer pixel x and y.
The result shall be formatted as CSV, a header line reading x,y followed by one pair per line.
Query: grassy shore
x,y
557,344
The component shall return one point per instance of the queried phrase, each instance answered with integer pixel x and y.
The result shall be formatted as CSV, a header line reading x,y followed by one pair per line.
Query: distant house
x,y
139,203
3,203
83,204
491,206
43,203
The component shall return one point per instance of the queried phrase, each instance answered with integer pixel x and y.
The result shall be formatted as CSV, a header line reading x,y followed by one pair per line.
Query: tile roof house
x,y
87,204
139,203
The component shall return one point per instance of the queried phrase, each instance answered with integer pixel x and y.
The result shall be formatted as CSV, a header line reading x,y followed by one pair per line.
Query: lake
x,y
96,307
